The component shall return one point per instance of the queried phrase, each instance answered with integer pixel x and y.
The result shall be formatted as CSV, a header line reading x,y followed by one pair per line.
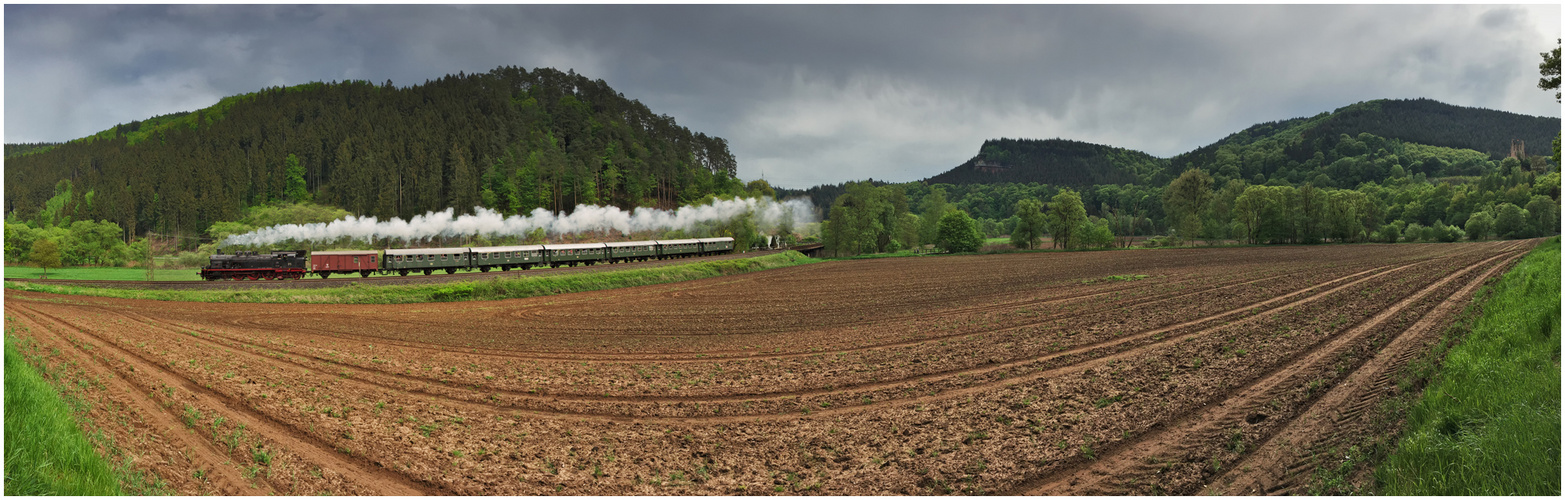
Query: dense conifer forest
x,y
510,139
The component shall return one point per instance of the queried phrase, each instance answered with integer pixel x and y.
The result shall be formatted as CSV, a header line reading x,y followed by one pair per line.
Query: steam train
x,y
295,264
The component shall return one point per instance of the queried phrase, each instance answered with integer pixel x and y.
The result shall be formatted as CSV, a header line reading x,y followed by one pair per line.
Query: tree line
x,y
1508,200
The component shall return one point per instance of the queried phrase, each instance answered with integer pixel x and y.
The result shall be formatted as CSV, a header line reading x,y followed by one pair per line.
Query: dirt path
x,y
1089,372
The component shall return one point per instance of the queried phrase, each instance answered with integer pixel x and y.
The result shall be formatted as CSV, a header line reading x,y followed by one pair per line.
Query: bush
x,y
959,233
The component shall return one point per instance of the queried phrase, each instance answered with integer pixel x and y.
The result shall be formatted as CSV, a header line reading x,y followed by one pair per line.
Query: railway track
x,y
374,280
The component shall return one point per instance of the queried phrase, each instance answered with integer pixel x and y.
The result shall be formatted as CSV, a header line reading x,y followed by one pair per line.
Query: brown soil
x,y
1037,373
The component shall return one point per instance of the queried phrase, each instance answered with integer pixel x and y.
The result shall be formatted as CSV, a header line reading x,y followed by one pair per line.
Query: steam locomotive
x,y
295,264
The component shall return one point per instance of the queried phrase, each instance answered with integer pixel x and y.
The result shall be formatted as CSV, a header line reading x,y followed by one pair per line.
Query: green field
x,y
102,273
45,452
1489,421
501,288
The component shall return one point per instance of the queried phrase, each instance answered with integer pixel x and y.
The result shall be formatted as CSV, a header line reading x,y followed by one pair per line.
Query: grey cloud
x,y
809,93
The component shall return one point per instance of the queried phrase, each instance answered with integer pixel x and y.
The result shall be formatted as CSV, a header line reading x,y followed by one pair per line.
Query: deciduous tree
x,y
45,254
1030,224
1185,200
959,232
1065,217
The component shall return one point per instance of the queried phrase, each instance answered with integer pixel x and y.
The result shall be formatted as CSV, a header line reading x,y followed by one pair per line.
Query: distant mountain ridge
x,y
1287,146
1057,162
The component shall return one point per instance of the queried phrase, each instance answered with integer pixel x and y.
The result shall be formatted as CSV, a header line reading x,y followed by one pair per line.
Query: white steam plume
x,y
766,213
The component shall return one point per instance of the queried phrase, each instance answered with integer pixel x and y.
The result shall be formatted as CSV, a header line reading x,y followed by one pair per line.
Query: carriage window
x,y
355,259
443,256
372,259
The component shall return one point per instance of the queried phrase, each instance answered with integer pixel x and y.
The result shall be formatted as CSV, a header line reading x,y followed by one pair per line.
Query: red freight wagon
x,y
363,262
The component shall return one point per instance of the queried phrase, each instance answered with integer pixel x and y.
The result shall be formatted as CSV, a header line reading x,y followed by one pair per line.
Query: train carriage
x,y
714,246
572,254
673,249
426,260
508,258
626,251
363,262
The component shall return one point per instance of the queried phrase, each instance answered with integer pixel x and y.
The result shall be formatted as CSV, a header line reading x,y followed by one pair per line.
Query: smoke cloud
x,y
766,213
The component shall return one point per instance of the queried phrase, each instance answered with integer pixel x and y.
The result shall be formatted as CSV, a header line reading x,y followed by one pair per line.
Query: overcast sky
x,y
809,94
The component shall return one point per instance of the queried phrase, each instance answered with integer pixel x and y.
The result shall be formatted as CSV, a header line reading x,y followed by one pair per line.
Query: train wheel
x,y
325,274
483,269
403,272
450,270
427,272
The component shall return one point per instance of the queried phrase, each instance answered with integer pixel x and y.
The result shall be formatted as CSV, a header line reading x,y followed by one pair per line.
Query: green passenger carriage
x,y
627,251
426,260
581,253
507,258
673,249
713,246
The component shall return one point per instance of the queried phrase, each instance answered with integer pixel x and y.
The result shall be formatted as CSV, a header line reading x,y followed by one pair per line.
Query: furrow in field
x,y
202,455
1184,439
646,407
1274,465
385,482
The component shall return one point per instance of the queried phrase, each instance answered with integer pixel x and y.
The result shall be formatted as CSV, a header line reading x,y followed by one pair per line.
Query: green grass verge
x,y
103,273
45,452
501,288
1489,422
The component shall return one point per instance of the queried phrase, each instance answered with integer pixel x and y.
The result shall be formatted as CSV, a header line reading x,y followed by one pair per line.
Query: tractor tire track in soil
x,y
201,396
1019,372
1190,440
1283,463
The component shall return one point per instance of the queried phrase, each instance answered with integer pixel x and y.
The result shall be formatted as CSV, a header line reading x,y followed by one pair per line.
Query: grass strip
x,y
45,451
103,273
500,288
1489,422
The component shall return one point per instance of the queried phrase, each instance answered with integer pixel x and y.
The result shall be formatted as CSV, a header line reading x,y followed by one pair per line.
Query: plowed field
x,y
1175,371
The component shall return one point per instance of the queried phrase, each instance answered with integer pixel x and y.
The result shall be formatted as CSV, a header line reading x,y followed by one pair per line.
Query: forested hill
x,y
1356,143
1056,162
509,139
1390,132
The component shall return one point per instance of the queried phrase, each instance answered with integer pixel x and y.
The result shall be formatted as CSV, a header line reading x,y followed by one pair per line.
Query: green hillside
x,y
1357,143
509,139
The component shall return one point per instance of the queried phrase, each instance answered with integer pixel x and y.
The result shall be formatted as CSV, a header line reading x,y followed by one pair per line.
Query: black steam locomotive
x,y
245,265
